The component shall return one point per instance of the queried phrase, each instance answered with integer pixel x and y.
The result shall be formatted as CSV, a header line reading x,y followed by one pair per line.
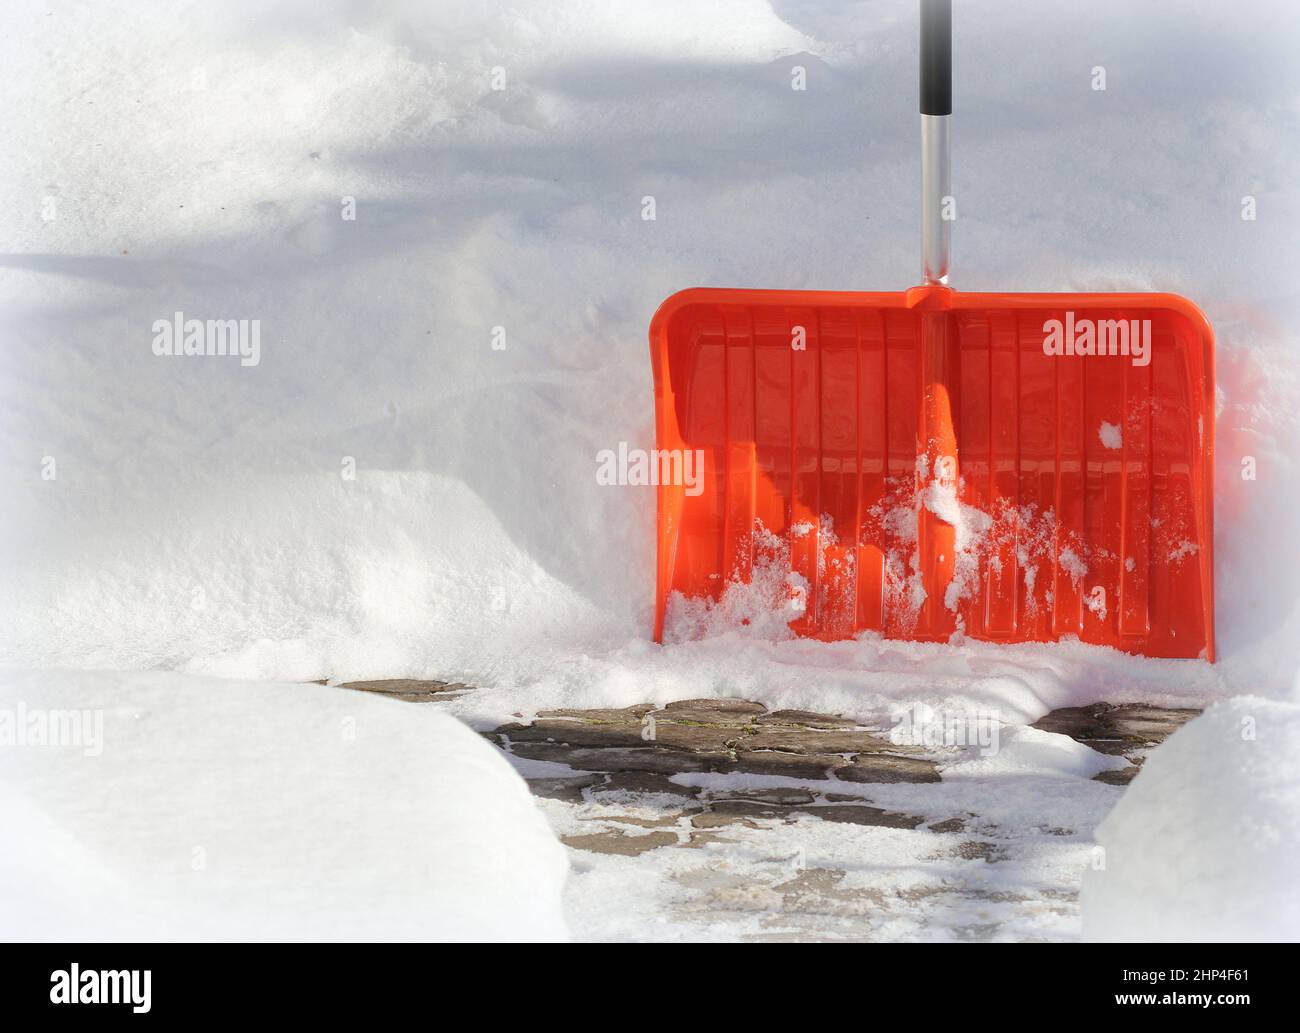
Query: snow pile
x,y
406,481
1022,752
1203,845
759,607
162,806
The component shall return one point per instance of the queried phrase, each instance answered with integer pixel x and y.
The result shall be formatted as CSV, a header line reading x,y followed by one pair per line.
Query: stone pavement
x,y
716,795
1129,731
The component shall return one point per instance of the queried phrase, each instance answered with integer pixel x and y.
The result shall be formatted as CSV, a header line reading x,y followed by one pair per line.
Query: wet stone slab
x,y
1129,730
628,802
642,774
411,690
752,813
1122,777
617,842
570,790
883,767
1116,730
619,758
636,784
719,736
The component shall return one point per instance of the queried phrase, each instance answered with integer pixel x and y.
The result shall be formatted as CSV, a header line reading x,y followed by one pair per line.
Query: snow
x,y
201,518
1023,751
405,484
1203,845
758,608
197,808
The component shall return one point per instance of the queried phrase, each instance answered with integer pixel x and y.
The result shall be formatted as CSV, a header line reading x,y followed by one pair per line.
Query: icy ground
x,y
385,493
735,822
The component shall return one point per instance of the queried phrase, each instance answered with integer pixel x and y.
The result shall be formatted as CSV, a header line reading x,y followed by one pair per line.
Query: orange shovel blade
x,y
930,464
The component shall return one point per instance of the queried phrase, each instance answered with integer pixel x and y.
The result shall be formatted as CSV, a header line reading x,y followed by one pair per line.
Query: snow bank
x,y
162,806
386,493
1203,845
1022,751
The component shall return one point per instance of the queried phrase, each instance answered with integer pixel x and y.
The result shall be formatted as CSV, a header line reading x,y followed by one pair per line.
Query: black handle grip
x,y
936,57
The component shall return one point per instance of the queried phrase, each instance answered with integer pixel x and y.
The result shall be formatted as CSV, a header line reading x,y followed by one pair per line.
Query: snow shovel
x,y
936,465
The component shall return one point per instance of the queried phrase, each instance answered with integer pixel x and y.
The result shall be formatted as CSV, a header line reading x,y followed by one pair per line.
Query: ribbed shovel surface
x,y
919,464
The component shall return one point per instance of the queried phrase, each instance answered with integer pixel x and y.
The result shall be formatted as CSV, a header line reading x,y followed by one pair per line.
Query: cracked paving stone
x,y
719,819
663,734
791,765
667,762
732,812
667,820
614,842
573,733
975,850
792,795
567,789
860,814
805,719
1122,777
718,735
717,709
882,767
791,739
702,838
412,690
1116,730
674,735
744,812
642,783
624,716
822,885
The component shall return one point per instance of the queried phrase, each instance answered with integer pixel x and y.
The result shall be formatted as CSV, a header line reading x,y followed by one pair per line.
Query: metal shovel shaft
x,y
936,109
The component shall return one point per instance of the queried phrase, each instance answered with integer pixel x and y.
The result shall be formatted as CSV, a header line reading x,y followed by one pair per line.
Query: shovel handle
x,y
936,57
936,106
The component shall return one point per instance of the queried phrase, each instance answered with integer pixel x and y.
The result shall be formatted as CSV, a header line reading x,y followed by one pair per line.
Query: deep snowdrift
x,y
160,806
200,518
1203,845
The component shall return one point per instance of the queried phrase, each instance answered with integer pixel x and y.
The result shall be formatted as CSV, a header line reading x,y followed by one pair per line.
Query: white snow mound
x,y
1203,845
1023,751
197,809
